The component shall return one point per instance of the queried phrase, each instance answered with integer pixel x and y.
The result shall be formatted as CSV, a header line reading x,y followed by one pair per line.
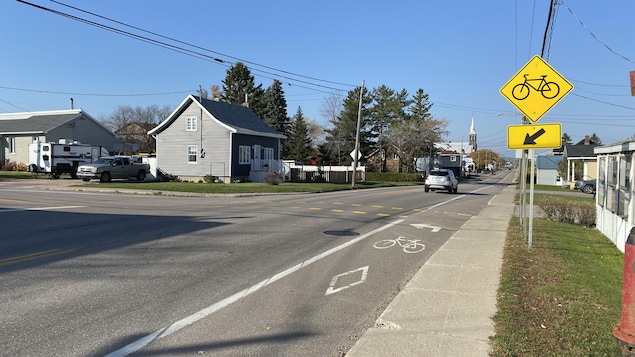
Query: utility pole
x,y
359,120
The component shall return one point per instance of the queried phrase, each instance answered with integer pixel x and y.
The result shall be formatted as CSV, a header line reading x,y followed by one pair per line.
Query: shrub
x,y
273,177
565,211
20,166
9,165
394,177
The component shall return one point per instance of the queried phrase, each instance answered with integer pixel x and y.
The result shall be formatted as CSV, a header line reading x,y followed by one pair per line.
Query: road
x,y
107,274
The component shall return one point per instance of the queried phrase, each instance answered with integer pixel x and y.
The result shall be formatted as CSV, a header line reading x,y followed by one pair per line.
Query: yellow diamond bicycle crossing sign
x,y
533,136
536,88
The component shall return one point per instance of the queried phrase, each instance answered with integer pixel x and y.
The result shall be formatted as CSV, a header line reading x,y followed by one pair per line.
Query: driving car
x,y
441,179
586,186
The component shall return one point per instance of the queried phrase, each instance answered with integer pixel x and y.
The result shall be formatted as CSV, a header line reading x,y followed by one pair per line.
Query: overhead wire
x,y
180,49
593,35
201,48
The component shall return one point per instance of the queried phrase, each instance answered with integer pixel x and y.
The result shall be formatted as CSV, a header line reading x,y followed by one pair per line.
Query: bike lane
x,y
323,304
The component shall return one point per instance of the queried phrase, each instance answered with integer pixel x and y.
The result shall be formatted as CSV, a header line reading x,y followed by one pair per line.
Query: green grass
x,y
14,175
547,188
246,187
562,296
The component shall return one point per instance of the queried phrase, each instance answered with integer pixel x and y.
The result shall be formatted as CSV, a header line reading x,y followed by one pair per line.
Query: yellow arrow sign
x,y
536,88
545,136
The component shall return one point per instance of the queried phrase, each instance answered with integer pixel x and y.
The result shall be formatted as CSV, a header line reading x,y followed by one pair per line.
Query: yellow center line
x,y
397,208
337,210
315,209
359,212
33,256
355,204
404,217
375,206
383,214
464,214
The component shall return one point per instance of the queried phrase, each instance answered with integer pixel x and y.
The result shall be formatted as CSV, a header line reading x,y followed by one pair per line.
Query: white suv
x,y
442,179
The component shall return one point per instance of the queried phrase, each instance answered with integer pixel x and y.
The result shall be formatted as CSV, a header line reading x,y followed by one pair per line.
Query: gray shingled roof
x,y
572,151
241,119
236,116
36,123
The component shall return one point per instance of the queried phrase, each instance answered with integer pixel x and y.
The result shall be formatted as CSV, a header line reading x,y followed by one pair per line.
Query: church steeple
x,y
473,135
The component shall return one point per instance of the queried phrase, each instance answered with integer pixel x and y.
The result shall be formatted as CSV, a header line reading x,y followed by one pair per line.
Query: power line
x,y
179,49
201,48
593,35
96,94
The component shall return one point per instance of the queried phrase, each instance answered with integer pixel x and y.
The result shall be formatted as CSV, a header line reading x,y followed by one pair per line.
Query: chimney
x,y
587,140
72,104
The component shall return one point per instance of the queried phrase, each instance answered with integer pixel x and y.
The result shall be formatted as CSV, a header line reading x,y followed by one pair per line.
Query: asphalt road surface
x,y
108,274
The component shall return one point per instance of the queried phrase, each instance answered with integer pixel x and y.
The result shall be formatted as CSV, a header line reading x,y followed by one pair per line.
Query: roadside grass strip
x,y
562,296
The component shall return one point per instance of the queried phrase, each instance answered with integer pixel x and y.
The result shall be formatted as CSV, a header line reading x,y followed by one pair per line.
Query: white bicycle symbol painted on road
x,y
408,245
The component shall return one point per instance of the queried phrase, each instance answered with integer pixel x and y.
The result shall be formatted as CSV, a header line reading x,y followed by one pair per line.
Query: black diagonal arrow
x,y
531,140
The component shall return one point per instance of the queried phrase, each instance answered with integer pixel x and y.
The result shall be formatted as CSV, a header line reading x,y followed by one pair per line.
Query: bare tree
x,y
132,124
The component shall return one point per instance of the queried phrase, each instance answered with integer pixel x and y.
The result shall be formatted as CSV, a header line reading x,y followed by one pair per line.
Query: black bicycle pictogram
x,y
549,90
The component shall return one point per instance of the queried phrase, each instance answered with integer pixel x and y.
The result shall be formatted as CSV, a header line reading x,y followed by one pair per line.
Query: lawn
x,y
562,296
212,188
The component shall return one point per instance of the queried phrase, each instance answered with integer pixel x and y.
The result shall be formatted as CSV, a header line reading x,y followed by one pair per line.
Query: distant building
x,y
18,130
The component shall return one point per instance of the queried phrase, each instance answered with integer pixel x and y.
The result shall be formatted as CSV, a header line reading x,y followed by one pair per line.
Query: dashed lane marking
x,y
33,256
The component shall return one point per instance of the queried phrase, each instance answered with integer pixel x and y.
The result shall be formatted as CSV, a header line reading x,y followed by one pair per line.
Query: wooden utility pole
x,y
356,152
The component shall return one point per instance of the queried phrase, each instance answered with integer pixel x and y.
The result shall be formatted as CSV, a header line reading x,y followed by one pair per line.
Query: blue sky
x,y
460,52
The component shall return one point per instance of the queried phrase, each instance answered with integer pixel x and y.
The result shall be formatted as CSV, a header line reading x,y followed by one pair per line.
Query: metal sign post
x,y
534,90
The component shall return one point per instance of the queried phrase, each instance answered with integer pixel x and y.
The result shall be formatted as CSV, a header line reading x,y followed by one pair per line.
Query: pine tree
x,y
341,137
239,88
596,139
275,112
299,142
388,109
415,136
420,109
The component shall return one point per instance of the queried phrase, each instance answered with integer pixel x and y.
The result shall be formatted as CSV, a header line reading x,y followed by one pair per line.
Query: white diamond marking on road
x,y
424,225
333,290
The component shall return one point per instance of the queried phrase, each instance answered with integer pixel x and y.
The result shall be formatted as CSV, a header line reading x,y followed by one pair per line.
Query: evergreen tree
x,y
239,88
299,142
596,139
415,136
420,109
341,137
275,112
388,109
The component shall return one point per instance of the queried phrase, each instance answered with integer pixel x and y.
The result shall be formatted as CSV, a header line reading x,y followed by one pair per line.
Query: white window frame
x,y
244,155
191,124
267,154
11,144
192,154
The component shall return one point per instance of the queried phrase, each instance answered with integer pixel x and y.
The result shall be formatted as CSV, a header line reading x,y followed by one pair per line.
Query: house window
x,y
244,155
190,124
268,154
192,151
12,145
395,156
453,158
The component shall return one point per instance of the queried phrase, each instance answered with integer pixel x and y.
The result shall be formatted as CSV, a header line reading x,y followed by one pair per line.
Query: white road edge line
x,y
38,209
166,331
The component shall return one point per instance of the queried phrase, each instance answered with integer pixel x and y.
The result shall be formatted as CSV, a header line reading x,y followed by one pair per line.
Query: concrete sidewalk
x,y
447,307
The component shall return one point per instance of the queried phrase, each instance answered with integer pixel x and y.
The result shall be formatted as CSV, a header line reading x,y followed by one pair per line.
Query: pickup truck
x,y
109,167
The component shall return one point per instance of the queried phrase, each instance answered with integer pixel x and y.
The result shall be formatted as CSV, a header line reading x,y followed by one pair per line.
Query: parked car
x,y
442,179
110,167
586,186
